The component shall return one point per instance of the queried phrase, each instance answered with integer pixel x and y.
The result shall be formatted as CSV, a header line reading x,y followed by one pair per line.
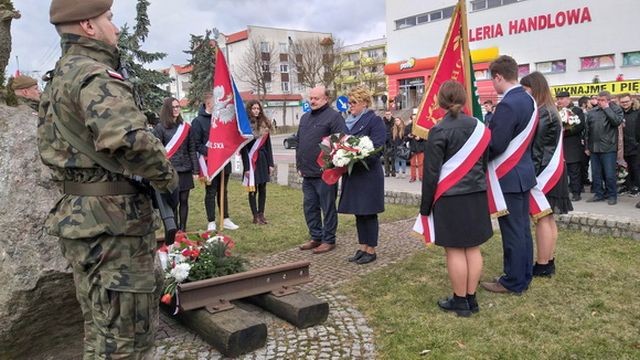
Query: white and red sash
x,y
452,171
506,161
202,161
538,205
177,139
249,181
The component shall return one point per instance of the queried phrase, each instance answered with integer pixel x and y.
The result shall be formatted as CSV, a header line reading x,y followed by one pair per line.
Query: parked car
x,y
291,142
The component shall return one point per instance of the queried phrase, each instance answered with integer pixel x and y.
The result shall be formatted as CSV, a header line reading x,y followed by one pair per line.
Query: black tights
x,y
183,211
261,190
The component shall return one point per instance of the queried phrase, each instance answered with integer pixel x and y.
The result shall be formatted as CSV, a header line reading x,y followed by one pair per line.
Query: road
x,y
280,154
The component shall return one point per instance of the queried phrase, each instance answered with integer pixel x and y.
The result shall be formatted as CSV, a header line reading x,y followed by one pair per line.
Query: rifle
x,y
160,200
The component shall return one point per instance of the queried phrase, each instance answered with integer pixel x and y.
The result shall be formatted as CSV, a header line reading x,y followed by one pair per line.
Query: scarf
x,y
352,120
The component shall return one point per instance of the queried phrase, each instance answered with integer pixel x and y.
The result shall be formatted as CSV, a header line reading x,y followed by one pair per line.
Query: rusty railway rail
x,y
216,294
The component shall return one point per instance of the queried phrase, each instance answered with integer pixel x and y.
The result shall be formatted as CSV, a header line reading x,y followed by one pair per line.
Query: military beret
x,y
563,94
23,82
66,11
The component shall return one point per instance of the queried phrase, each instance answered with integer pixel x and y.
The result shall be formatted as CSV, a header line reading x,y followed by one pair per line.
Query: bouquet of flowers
x,y
340,152
196,256
568,118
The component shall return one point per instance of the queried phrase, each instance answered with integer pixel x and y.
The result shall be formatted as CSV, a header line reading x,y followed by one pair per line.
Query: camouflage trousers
x,y
115,285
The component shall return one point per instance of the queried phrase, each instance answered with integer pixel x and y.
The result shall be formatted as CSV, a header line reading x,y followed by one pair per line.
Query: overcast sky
x,y
36,43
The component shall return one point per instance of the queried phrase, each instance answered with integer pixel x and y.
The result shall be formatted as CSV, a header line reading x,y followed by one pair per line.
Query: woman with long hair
x,y
174,134
455,143
400,150
546,153
257,160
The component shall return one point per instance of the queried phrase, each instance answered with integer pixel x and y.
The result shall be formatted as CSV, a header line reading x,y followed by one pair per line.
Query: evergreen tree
x,y
146,82
202,52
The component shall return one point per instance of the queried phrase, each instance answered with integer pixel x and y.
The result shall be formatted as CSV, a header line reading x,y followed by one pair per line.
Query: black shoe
x,y
456,304
357,256
595,199
473,303
545,270
576,197
366,258
612,201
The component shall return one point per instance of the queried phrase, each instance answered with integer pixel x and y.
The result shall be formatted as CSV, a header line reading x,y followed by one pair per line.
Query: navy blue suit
x,y
510,118
363,190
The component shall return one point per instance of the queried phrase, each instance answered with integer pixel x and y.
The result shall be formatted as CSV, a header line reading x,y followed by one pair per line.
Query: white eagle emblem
x,y
223,110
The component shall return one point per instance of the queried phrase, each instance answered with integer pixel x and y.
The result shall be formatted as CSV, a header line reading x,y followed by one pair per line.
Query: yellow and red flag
x,y
454,63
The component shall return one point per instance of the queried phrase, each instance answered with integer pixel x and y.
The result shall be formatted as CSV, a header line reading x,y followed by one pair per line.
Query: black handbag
x,y
402,152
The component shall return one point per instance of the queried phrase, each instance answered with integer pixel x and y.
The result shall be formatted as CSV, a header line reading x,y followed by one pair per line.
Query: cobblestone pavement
x,y
345,334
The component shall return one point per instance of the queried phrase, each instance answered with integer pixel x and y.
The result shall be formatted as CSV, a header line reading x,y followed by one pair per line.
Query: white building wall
x,y
611,30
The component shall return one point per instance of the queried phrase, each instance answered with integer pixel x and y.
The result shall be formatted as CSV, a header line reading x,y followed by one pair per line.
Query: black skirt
x,y
185,180
558,196
462,221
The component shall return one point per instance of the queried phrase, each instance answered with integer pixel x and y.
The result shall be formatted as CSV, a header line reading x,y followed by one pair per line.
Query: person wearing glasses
x,y
363,190
173,132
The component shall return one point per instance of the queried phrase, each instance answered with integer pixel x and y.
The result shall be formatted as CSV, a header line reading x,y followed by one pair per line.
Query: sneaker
x,y
228,224
211,226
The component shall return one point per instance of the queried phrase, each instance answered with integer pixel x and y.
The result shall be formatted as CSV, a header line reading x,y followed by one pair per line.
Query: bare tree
x,y
257,66
316,61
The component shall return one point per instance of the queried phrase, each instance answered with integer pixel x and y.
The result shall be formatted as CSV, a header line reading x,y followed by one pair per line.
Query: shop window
x,y
597,62
523,70
631,58
552,67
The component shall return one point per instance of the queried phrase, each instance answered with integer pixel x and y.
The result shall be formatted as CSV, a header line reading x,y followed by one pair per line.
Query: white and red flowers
x,y
340,152
196,256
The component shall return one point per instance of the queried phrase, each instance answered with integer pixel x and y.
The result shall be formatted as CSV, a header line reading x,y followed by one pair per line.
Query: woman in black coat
x,y
263,156
543,146
183,158
363,190
461,220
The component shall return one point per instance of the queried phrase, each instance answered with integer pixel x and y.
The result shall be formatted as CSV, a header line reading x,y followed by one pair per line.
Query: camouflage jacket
x,y
34,104
85,88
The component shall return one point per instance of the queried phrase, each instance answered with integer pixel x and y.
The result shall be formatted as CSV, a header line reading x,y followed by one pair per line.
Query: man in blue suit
x,y
512,115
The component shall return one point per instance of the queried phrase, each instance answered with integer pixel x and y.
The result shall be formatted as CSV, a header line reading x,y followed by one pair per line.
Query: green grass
x,y
286,228
589,310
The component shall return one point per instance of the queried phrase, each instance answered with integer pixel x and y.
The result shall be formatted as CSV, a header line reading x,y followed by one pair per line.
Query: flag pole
x,y
221,197
466,54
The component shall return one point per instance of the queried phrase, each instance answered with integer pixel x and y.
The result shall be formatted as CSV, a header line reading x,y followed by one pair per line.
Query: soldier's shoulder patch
x,y
115,75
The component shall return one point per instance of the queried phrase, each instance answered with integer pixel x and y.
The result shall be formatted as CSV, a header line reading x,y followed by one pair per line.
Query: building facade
x,y
581,46
363,64
284,92
180,82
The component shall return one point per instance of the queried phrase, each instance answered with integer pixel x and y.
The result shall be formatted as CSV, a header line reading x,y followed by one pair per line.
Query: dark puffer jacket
x,y
185,158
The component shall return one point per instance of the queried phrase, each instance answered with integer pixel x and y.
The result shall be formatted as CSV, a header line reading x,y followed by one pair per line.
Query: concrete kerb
x,y
589,222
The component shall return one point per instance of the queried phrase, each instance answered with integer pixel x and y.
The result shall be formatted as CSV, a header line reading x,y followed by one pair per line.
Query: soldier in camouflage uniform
x,y
105,224
27,91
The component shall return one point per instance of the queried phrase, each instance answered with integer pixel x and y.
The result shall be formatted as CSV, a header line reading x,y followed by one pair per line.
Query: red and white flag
x,y
230,128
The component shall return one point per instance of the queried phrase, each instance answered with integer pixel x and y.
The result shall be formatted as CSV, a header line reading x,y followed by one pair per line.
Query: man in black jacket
x,y
389,156
200,127
572,145
631,132
602,144
318,196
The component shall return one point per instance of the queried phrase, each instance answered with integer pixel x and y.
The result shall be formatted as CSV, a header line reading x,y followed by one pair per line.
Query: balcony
x,y
349,80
